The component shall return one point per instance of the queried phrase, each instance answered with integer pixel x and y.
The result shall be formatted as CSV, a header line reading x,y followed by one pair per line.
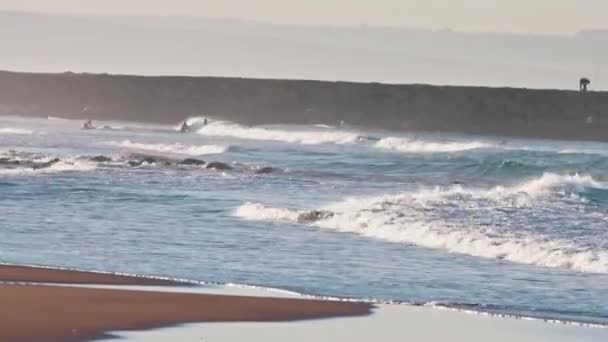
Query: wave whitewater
x,y
16,131
405,218
405,145
72,165
176,148
305,137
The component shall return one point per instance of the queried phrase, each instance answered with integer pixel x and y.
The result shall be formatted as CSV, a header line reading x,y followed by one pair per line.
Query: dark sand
x,y
55,313
43,275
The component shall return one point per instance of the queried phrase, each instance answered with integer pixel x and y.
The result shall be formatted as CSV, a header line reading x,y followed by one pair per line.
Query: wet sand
x,y
32,312
49,275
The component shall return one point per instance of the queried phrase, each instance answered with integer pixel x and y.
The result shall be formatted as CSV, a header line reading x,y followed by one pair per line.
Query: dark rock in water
x,y
50,163
191,161
135,163
456,183
314,216
219,166
7,161
101,159
265,170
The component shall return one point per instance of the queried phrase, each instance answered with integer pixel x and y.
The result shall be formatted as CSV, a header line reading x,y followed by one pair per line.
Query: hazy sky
x,y
534,16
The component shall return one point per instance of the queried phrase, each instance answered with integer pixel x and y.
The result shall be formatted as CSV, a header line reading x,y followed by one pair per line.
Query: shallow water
x,y
490,224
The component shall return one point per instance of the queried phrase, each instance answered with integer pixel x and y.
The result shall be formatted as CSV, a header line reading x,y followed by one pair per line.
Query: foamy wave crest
x,y
259,212
61,166
308,137
56,118
419,146
415,218
391,219
172,148
519,194
567,183
19,131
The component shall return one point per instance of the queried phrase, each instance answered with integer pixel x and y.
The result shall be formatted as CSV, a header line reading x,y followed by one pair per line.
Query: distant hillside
x,y
502,111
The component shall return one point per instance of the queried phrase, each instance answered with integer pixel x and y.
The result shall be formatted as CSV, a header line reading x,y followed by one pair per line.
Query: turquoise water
x,y
490,224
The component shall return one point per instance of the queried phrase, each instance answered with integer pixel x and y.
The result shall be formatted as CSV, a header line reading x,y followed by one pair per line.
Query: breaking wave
x,y
18,131
412,218
176,148
307,137
405,145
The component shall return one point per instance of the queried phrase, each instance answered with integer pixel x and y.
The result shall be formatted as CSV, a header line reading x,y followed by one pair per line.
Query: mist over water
x,y
501,225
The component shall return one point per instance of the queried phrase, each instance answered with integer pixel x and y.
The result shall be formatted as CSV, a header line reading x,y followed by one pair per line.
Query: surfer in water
x,y
88,124
185,128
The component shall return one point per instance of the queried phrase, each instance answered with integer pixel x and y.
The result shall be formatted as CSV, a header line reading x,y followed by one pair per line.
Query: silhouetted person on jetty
x,y
584,83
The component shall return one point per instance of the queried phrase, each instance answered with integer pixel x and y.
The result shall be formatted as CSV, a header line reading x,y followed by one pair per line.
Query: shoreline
x,y
52,276
34,310
140,308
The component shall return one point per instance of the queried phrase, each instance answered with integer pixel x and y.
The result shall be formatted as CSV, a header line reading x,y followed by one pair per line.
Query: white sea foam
x,y
56,118
308,137
259,212
19,131
197,120
404,218
177,148
405,145
571,182
61,166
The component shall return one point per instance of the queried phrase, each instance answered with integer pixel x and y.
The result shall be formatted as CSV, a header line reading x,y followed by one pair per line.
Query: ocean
x,y
490,224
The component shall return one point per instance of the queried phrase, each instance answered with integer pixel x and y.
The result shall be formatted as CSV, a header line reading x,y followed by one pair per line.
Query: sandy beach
x,y
34,312
43,304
